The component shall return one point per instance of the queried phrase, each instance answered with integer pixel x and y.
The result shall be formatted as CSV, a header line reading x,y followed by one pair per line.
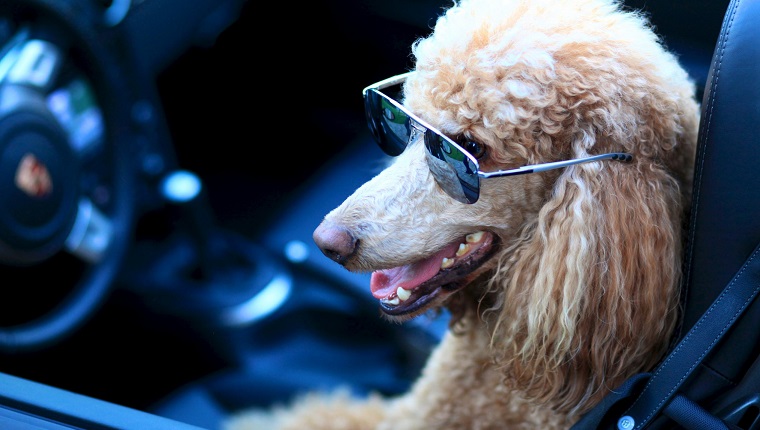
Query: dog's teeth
x,y
394,301
446,263
474,237
403,294
463,248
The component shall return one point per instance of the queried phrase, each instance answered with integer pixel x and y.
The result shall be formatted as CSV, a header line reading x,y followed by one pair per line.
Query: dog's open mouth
x,y
413,288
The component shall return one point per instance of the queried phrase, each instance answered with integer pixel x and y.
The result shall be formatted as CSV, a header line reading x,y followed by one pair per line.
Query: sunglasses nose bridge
x,y
416,131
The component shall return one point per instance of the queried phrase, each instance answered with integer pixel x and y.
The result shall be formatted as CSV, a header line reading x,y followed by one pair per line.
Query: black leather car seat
x,y
725,220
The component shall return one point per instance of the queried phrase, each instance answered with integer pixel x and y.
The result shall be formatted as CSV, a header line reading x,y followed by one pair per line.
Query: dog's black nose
x,y
336,242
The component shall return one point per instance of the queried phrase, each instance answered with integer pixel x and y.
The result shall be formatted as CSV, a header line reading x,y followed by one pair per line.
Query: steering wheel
x,y
66,175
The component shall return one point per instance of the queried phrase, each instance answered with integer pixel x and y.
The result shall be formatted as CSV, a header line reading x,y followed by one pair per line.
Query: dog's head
x,y
574,270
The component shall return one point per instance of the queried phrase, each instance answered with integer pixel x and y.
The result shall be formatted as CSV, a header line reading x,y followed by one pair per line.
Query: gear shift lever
x,y
185,189
206,272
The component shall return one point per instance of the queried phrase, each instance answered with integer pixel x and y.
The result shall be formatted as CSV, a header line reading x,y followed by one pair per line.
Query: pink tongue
x,y
386,282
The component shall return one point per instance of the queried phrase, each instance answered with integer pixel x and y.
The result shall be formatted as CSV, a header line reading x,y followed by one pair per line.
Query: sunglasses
x,y
455,170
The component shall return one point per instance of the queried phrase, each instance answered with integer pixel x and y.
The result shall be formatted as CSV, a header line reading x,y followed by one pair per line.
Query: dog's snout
x,y
336,242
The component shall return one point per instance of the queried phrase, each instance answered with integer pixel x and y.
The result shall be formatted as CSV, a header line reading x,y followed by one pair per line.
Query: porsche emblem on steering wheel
x,y
32,177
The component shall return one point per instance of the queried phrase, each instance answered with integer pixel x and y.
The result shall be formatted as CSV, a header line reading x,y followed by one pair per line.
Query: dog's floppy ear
x,y
593,283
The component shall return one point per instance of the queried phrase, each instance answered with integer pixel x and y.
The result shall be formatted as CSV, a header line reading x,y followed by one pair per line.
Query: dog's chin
x,y
409,291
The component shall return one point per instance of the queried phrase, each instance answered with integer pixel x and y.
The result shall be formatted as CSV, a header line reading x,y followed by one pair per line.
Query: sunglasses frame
x,y
470,193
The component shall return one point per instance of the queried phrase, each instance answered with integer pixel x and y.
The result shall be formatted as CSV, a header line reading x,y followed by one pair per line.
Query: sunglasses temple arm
x,y
620,156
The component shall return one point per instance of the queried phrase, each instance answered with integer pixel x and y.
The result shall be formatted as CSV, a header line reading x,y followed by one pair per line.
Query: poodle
x,y
539,189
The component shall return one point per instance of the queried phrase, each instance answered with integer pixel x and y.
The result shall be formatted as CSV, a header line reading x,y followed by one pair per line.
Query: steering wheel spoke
x,y
91,234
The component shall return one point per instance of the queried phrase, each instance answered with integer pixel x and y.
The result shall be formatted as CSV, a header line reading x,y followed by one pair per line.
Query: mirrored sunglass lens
x,y
454,172
389,124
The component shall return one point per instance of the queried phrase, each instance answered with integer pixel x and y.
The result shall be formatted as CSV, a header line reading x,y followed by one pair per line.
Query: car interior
x,y
169,278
